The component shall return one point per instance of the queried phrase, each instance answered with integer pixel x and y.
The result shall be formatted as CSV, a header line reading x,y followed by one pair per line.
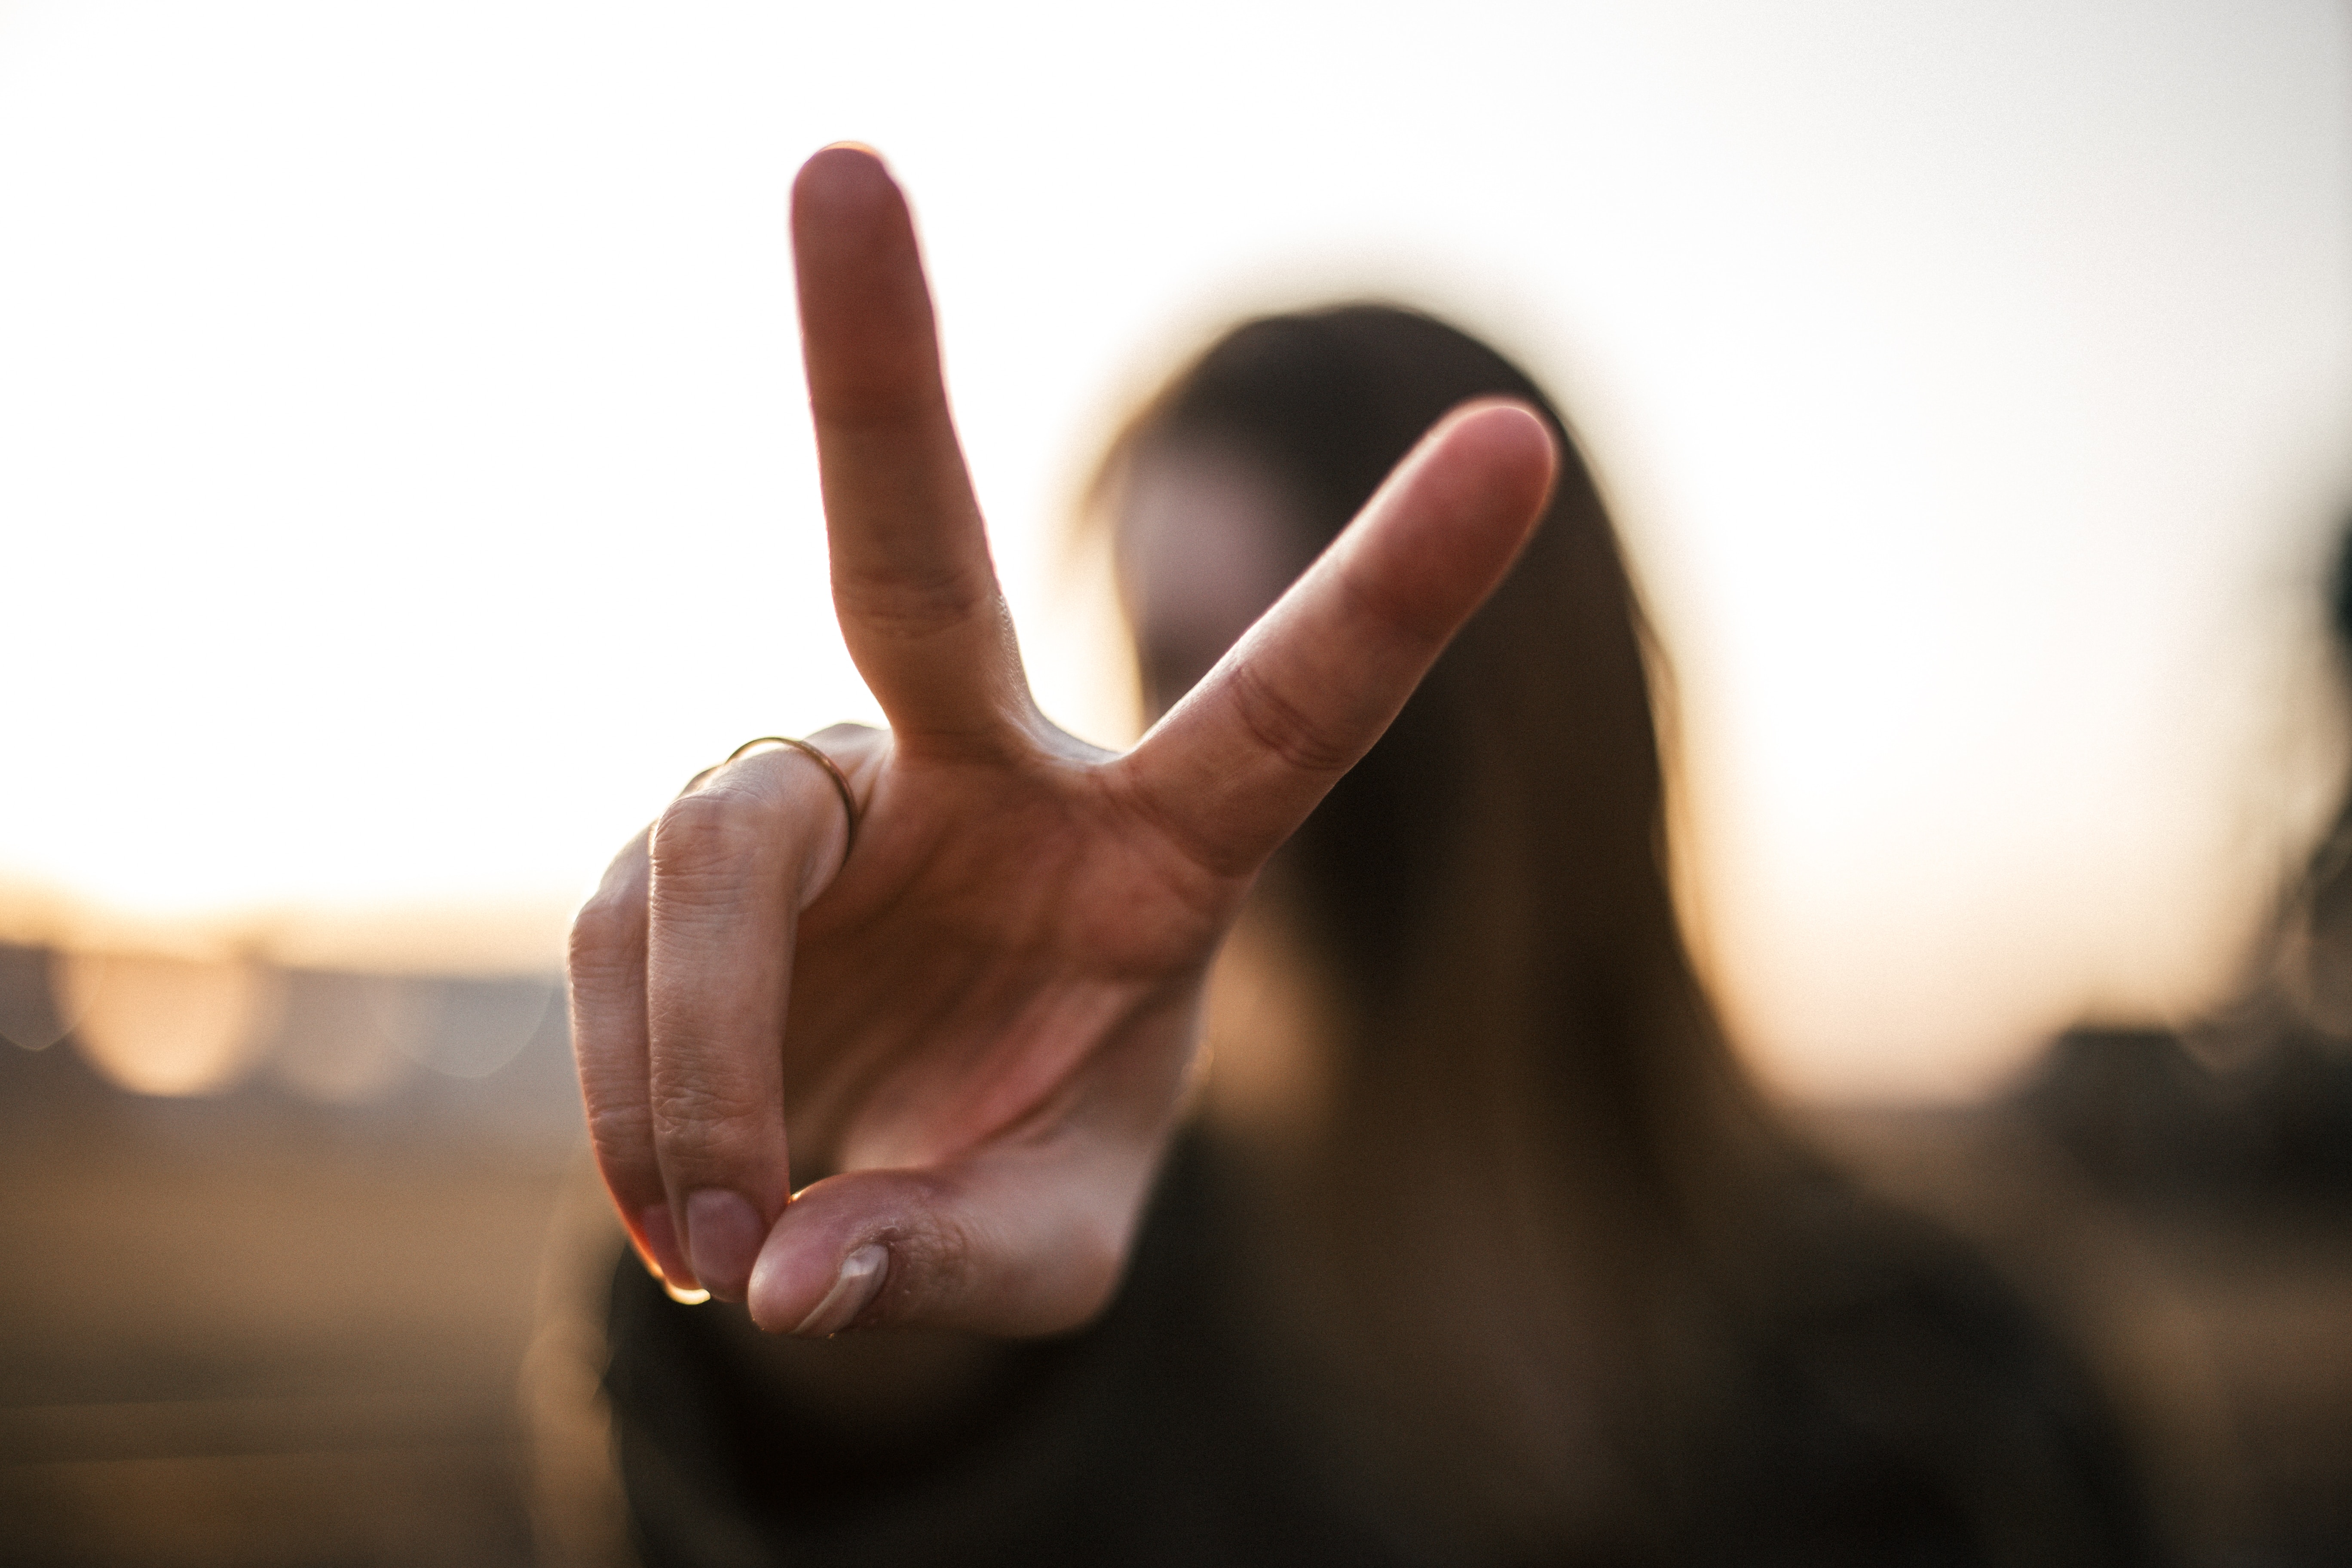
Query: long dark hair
x,y
1535,1146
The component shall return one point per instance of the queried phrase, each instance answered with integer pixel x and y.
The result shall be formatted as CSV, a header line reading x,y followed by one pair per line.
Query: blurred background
x,y
380,386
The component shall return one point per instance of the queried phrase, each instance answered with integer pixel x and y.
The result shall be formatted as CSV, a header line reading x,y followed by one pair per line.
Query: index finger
x,y
912,579
1237,765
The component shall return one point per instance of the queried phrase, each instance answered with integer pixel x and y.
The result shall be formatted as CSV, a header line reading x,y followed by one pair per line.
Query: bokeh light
x,y
168,1026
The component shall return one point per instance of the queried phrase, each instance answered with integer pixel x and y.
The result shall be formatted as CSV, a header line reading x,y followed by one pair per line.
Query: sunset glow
x,y
407,485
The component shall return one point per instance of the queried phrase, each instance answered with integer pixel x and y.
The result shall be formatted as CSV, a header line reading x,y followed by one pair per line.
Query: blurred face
x,y
1207,540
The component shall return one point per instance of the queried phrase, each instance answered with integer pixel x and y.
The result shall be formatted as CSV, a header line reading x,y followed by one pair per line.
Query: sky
x,y
405,481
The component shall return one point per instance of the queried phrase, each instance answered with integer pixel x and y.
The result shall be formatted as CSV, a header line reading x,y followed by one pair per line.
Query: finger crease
x,y
1283,728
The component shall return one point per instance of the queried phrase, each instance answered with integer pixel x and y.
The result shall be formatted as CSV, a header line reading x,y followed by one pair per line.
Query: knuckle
x,y
907,604
932,1253
706,827
703,1123
771,785
604,932
1283,728
951,1267
707,844
620,1130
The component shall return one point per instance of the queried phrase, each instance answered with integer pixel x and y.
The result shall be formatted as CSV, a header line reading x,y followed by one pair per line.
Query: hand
x,y
976,1027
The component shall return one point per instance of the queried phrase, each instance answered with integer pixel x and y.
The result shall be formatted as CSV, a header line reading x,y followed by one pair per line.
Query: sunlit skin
x,y
995,1001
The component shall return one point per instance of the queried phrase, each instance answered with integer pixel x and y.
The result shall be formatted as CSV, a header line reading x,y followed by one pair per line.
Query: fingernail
x,y
723,1233
854,1289
657,1245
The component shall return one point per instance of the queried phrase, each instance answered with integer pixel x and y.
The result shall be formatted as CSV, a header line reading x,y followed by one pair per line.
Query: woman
x,y
1479,1250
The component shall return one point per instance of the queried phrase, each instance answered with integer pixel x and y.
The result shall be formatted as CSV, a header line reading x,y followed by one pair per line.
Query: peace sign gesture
x,y
973,1025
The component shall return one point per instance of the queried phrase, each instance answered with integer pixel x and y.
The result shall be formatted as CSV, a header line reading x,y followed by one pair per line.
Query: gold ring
x,y
832,771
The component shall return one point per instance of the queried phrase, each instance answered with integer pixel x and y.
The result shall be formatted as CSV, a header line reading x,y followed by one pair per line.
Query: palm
x,y
975,1027
1001,931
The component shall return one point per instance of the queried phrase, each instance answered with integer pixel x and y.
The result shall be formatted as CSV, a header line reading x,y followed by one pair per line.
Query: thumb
x,y
1022,1241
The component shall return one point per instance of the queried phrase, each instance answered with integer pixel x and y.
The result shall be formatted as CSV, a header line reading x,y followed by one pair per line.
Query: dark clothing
x,y
1900,1411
